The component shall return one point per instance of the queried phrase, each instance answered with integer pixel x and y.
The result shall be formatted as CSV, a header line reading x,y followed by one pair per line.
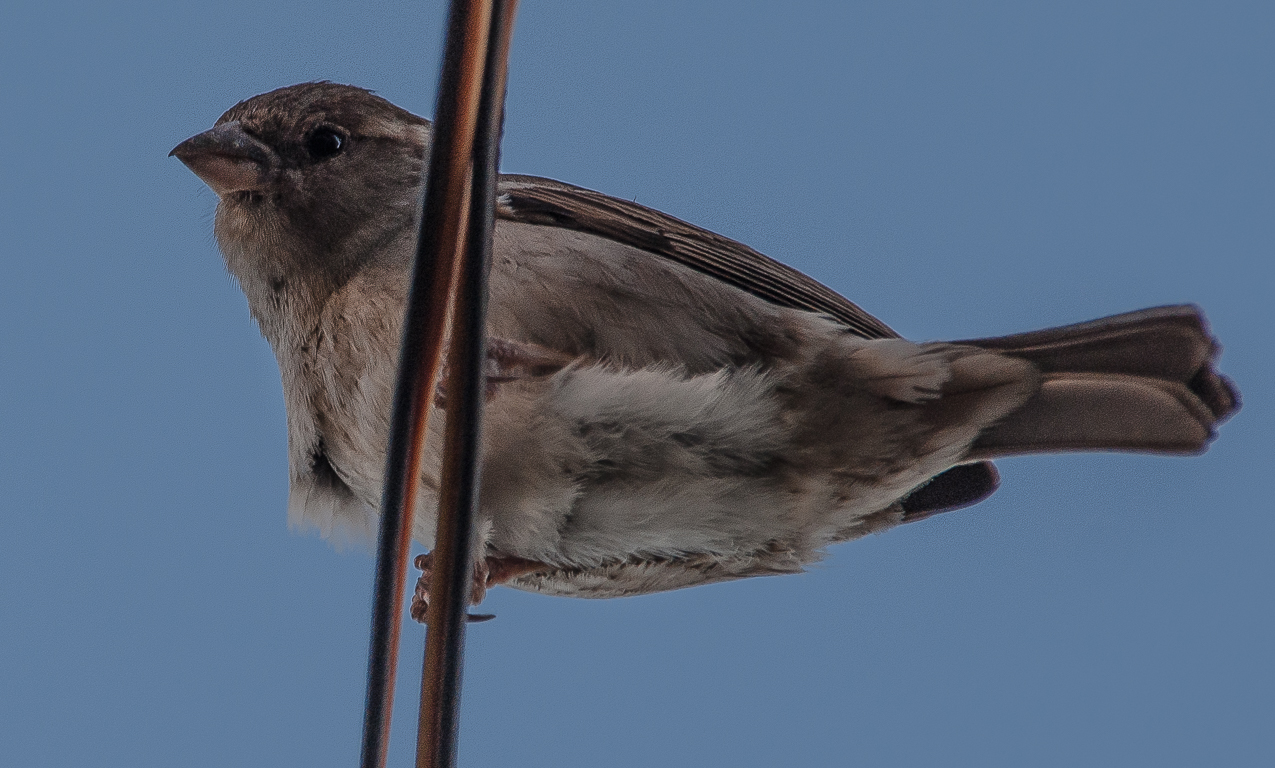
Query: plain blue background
x,y
960,169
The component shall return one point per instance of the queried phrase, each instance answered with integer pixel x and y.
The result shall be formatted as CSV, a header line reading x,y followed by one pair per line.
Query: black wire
x,y
444,652
414,374
418,368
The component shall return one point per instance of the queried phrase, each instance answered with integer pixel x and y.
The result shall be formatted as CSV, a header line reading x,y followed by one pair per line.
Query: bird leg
x,y
488,572
507,361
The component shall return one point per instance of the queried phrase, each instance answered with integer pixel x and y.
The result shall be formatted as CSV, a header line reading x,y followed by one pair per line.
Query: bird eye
x,y
323,143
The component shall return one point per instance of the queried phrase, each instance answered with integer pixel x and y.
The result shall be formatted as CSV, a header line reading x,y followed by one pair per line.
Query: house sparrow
x,y
669,407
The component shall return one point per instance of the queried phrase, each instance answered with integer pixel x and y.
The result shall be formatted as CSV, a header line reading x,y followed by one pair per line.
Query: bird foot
x,y
488,572
509,361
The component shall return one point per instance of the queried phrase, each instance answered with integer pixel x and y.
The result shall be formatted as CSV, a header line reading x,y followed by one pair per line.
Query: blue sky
x,y
961,170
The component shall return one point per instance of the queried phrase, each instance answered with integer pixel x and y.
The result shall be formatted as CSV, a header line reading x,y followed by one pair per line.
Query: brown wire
x,y
440,259
452,565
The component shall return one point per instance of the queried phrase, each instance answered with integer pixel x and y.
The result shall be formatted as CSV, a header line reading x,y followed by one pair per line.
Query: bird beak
x,y
227,159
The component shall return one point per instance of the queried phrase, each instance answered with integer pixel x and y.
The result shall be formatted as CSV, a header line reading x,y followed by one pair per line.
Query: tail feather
x,y
1142,381
1078,412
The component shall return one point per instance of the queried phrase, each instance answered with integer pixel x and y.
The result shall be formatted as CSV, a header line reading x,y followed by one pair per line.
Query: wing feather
x,y
533,200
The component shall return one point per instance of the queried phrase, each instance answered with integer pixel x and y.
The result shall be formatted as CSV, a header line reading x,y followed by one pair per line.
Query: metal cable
x,y
449,197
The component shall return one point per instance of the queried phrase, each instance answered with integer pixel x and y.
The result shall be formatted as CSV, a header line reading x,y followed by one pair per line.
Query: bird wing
x,y
533,200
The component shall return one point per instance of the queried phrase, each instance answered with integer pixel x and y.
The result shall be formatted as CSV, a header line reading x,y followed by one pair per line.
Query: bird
x,y
668,407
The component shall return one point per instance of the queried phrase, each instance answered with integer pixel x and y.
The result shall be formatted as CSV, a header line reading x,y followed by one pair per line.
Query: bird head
x,y
312,180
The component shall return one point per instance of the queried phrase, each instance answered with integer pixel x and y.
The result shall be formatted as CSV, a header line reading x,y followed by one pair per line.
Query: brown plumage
x,y
671,407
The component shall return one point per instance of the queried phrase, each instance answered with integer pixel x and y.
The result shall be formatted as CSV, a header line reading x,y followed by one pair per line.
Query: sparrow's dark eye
x,y
323,143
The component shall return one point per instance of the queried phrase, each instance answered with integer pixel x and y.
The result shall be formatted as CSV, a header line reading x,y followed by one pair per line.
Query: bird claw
x,y
488,572
420,598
